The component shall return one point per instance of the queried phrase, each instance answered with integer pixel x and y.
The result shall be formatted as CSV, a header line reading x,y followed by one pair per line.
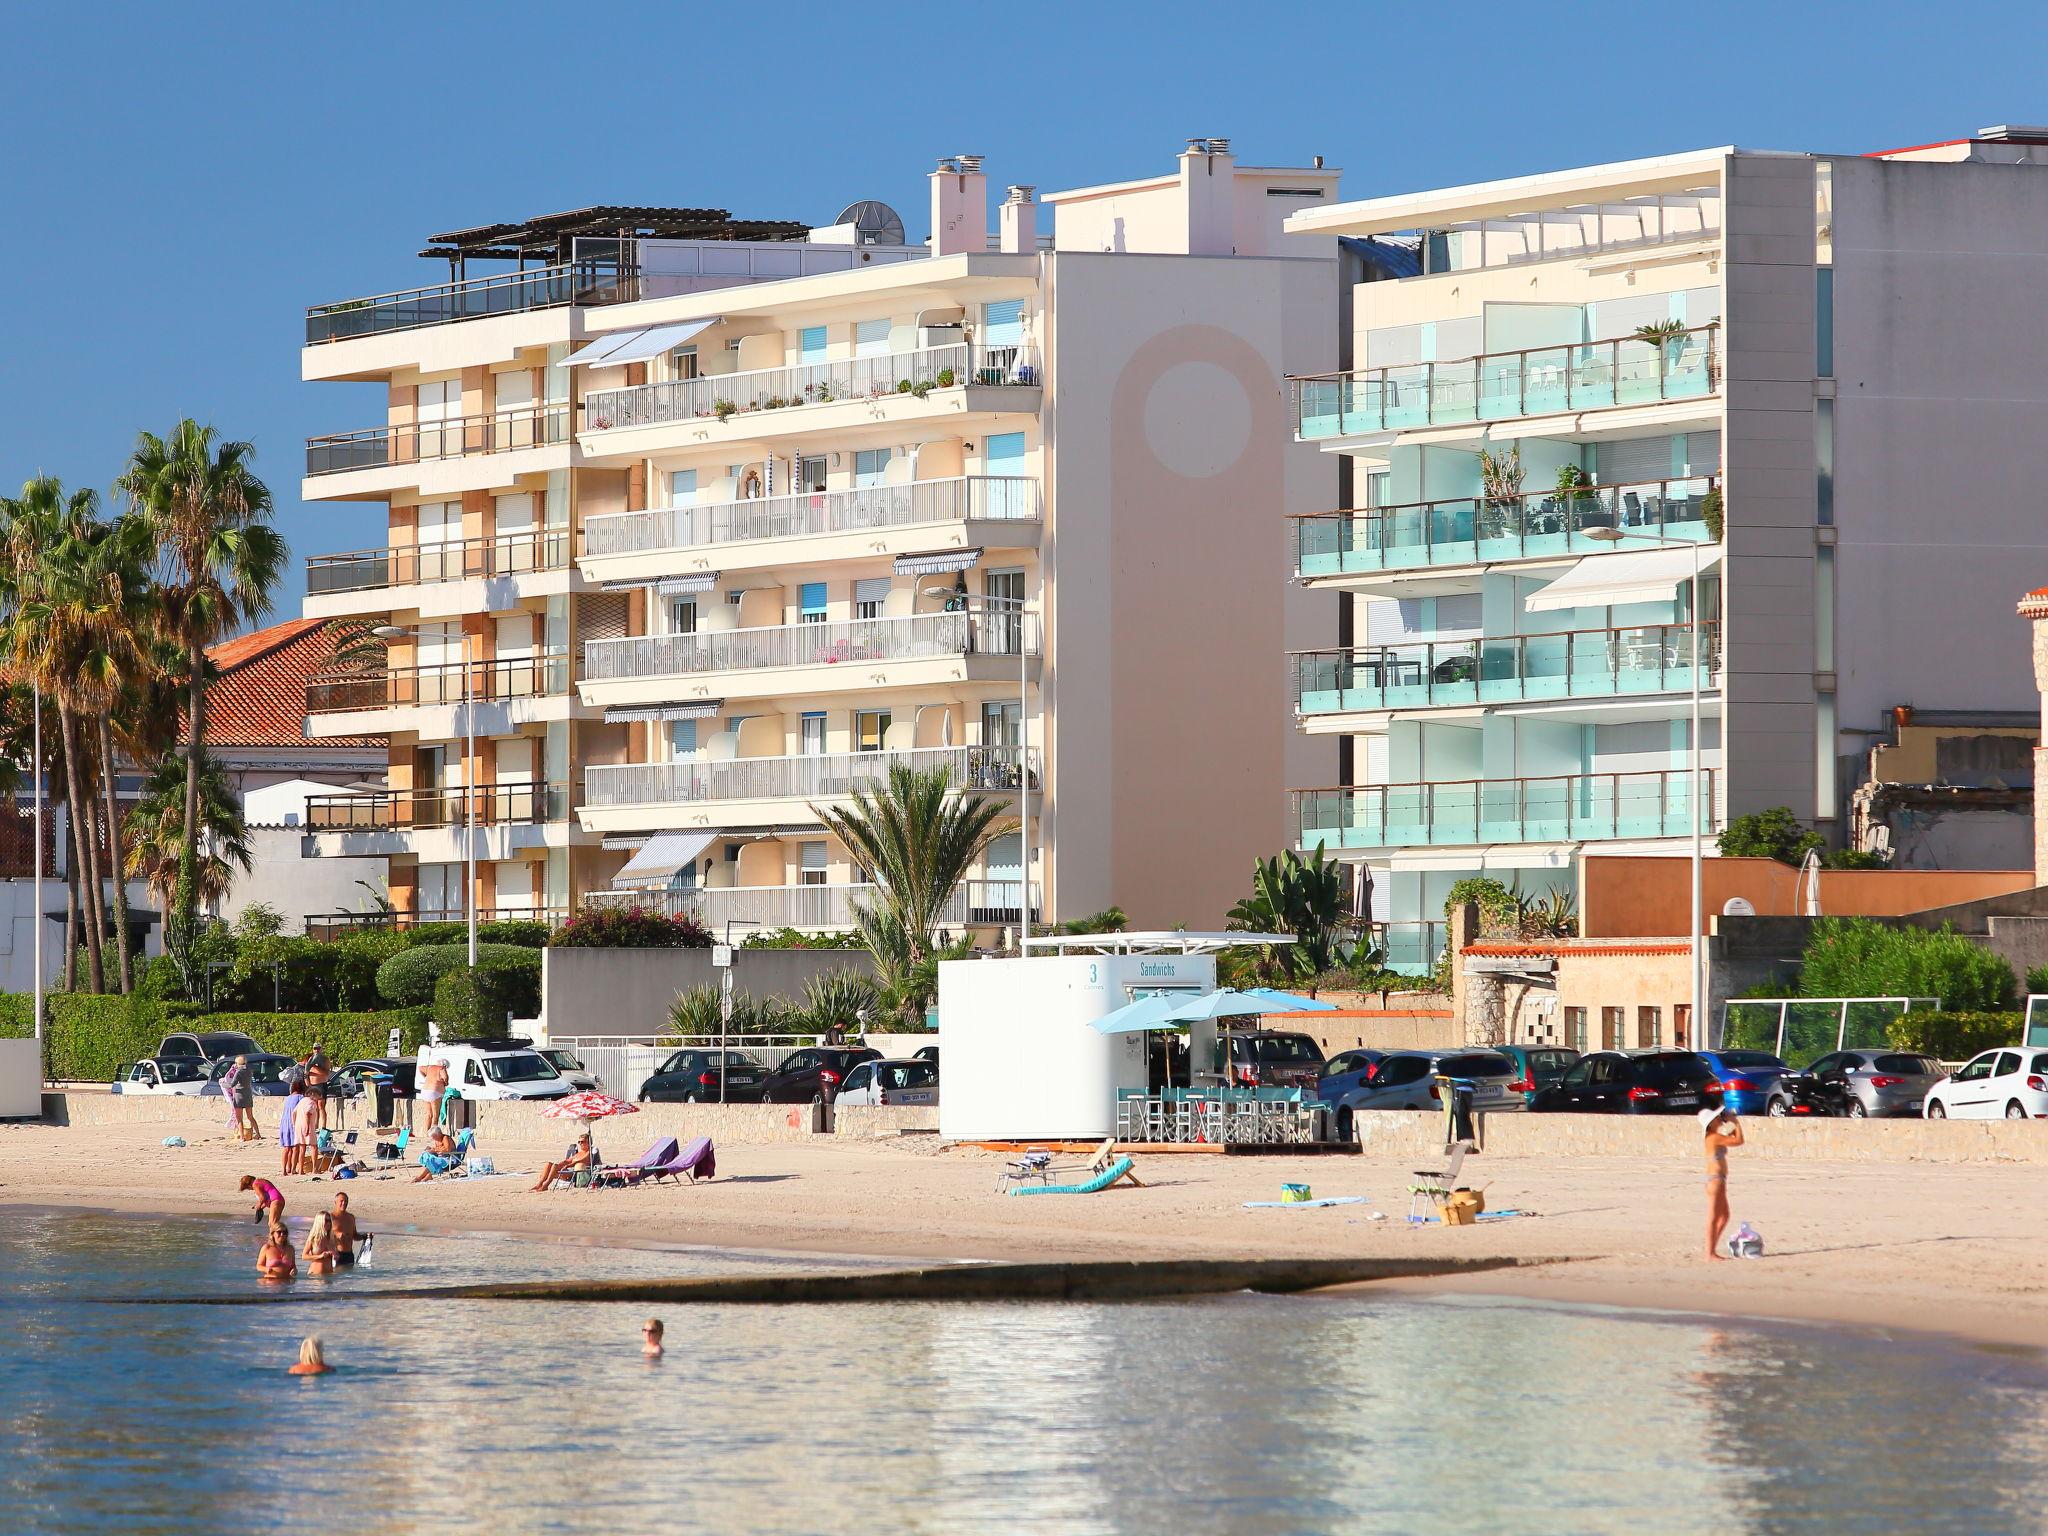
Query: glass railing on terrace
x,y
725,395
817,776
1566,808
981,902
1572,664
457,437
508,293
1410,947
998,498
510,677
851,641
1499,386
403,810
405,565
1472,530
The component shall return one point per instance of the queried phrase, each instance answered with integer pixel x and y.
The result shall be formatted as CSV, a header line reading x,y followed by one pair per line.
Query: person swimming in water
x,y
274,1260
312,1359
650,1338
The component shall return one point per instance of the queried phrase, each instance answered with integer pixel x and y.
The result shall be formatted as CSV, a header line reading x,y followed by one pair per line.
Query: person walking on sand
x,y
1722,1131
240,1084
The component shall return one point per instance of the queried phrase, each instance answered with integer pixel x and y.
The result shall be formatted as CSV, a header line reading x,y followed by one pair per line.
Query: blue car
x,y
1345,1071
1747,1078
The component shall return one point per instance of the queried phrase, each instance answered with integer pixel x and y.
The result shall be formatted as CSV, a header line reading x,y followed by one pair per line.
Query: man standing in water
x,y
1722,1131
346,1233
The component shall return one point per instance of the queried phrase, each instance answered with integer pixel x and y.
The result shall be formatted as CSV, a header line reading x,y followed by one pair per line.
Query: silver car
x,y
1407,1080
1871,1084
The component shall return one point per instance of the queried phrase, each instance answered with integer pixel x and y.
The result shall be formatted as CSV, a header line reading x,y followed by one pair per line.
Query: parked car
x,y
208,1044
184,1076
891,1082
928,1053
1536,1067
567,1063
1345,1071
266,1075
813,1074
349,1081
1749,1080
690,1076
498,1070
1648,1082
1407,1080
1272,1058
2010,1084
1872,1084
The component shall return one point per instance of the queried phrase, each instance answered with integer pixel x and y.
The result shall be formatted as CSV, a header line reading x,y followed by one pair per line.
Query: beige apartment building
x,y
696,524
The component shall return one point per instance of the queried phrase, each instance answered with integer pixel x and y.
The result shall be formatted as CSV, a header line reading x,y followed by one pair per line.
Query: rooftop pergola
x,y
551,238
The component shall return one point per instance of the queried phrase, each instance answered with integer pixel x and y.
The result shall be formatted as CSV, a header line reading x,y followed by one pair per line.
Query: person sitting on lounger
x,y
580,1156
439,1156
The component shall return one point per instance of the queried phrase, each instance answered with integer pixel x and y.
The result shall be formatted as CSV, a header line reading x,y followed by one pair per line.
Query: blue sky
x,y
177,183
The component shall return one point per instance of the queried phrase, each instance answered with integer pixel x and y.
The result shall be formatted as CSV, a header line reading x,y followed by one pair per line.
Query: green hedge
x,y
1955,1036
1859,957
408,978
90,1036
344,1036
478,1003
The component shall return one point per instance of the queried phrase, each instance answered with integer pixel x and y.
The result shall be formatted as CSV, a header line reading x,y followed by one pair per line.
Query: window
x,y
683,362
472,1073
811,864
811,737
1976,1071
1681,1024
1003,624
1613,1028
812,602
1002,723
682,487
810,474
1581,1071
1649,1026
868,596
1002,325
1575,1028
871,338
869,466
682,615
870,730
1824,322
2008,1063
811,343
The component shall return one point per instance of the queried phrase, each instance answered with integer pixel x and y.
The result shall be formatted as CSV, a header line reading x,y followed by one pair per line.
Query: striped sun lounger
x,y
1117,1171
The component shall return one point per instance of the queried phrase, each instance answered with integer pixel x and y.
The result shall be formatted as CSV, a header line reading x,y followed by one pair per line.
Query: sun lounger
x,y
697,1161
661,1151
1115,1173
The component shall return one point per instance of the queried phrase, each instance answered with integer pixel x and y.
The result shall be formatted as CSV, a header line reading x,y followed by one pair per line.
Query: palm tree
x,y
916,841
157,832
219,560
1305,898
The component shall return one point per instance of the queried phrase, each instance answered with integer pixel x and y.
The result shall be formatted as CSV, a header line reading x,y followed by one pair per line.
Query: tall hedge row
x,y
91,1036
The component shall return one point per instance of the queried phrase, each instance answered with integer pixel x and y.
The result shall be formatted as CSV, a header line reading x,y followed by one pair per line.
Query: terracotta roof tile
x,y
259,697
1579,947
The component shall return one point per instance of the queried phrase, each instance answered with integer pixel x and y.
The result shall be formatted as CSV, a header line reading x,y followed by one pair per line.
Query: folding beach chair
x,y
1437,1183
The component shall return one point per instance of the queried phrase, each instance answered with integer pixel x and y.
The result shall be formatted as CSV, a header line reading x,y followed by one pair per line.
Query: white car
x,y
2006,1084
494,1072
185,1076
890,1082
571,1066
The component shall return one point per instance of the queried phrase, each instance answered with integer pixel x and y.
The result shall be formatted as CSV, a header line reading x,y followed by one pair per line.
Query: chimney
x,y
1208,178
1019,215
959,206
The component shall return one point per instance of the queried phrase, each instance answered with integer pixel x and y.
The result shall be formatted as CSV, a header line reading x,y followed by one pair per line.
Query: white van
x,y
498,1071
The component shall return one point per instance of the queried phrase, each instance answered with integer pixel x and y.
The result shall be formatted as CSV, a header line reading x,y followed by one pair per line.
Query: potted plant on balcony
x,y
1500,484
723,409
1711,513
1579,500
1668,337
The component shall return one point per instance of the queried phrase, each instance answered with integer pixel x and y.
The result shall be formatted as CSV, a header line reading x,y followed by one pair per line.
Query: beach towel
x,y
1303,1205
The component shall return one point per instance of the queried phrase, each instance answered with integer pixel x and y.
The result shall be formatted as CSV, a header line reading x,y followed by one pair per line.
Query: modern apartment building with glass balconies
x,y
1561,395
711,523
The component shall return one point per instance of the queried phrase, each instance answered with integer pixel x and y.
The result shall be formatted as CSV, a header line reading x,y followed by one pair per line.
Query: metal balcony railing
x,y
404,810
853,641
721,396
1499,386
1468,530
996,498
515,677
973,902
335,925
509,293
1566,808
405,565
456,437
1578,663
817,777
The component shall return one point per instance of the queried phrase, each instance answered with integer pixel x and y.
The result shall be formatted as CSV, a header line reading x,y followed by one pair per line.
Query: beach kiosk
x,y
1023,1060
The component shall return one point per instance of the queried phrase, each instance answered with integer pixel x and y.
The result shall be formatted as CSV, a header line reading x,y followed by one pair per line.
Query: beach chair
x,y
661,1151
394,1151
1116,1173
696,1161
1031,1163
1428,1197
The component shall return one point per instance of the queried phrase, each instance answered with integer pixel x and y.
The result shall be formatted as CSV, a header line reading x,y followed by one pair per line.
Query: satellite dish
x,y
1738,906
875,223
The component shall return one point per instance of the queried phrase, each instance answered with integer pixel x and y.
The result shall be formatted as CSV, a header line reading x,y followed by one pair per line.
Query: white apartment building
x,y
715,521
1833,355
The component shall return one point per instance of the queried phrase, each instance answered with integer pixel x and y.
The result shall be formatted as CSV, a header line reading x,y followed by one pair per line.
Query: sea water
x,y
1234,1414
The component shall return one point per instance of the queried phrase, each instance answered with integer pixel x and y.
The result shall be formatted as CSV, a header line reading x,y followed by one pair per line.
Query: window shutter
x,y
873,589
812,343
813,598
1002,325
870,338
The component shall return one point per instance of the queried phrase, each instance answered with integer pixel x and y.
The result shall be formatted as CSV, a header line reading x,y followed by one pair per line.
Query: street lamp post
x,y
397,632
36,927
1699,986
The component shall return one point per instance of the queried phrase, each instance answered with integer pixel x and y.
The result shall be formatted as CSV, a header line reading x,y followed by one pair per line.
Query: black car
x,y
209,1044
1275,1058
690,1076
350,1081
1633,1083
813,1074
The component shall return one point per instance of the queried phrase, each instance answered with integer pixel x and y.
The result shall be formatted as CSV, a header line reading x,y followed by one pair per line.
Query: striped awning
x,y
939,562
698,709
670,586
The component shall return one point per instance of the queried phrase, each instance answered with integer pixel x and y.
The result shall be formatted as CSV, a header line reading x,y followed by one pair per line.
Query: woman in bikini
x,y
1723,1131
274,1260
319,1250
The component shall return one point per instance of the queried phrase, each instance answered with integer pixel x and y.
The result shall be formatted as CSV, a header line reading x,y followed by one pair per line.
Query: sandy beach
x,y
1947,1248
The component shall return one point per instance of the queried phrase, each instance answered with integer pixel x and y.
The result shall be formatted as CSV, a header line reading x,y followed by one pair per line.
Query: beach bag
x,y
1295,1194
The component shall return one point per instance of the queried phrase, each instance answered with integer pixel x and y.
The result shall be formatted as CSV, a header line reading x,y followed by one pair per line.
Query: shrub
x,y
1772,834
842,1001
2037,979
479,1002
796,938
407,979
1498,909
1859,957
90,1036
280,973
357,957
1954,1036
694,1013
1108,920
630,928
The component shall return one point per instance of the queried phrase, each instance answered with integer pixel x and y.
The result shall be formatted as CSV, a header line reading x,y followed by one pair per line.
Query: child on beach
x,y
1722,1131
269,1198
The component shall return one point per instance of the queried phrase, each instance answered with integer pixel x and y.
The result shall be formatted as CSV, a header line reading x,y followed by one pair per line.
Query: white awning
x,y
636,346
661,856
937,563
1626,576
700,709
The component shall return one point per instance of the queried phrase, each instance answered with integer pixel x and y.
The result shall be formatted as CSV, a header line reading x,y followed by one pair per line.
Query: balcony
x,y
458,437
821,776
1567,808
1513,669
407,565
974,903
509,293
721,397
514,677
969,498
404,810
338,925
854,645
1410,946
1469,530
1500,386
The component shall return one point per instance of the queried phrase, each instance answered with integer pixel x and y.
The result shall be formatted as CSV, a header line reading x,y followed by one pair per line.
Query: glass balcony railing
x,y
405,810
511,677
855,641
509,293
813,777
405,565
1473,530
973,903
999,498
1500,386
457,437
1574,664
1410,947
1567,808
